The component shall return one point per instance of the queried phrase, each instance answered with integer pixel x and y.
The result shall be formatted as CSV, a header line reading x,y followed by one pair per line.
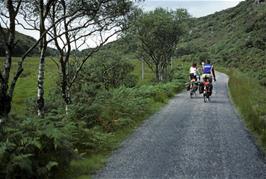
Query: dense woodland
x,y
94,97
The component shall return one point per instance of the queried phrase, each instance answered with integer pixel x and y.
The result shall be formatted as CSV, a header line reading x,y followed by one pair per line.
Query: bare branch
x,y
56,63
18,7
24,27
14,81
89,55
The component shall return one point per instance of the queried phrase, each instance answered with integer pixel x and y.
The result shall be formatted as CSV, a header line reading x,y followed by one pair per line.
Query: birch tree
x,y
35,14
8,14
10,10
102,19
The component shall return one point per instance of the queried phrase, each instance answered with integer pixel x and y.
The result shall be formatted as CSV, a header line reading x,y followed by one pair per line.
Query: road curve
x,y
189,139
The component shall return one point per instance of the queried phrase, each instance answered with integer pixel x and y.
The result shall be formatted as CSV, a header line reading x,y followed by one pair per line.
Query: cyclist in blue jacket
x,y
209,74
208,71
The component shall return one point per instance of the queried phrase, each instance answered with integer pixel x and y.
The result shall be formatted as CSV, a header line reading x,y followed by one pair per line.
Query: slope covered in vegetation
x,y
235,37
23,43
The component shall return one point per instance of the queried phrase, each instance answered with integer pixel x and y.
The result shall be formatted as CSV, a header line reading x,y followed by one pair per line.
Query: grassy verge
x,y
250,100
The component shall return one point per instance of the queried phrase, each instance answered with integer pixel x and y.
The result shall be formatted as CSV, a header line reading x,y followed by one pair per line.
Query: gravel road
x,y
189,139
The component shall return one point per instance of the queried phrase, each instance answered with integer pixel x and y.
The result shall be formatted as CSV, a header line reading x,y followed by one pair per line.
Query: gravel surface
x,y
189,139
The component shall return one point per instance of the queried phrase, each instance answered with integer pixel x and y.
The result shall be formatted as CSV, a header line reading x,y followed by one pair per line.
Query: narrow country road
x,y
189,139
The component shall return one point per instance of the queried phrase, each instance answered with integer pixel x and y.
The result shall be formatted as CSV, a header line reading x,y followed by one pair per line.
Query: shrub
x,y
263,81
120,107
109,70
35,148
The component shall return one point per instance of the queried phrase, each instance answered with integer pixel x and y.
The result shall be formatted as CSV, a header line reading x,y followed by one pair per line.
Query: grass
x,y
148,74
250,100
26,87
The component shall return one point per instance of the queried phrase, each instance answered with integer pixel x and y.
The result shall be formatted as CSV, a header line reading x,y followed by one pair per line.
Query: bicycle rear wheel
x,y
204,98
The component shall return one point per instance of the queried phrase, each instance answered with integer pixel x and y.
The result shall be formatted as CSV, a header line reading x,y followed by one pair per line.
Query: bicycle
x,y
206,90
193,88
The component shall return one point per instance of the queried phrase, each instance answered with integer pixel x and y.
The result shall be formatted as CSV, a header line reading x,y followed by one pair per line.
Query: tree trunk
x,y
64,84
67,100
157,73
41,72
161,77
5,105
142,69
40,93
5,100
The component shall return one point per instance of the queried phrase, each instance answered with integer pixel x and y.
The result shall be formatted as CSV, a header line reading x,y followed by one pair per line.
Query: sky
x,y
197,8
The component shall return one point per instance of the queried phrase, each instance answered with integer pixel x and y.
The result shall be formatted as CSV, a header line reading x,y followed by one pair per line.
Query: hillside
x,y
235,37
24,42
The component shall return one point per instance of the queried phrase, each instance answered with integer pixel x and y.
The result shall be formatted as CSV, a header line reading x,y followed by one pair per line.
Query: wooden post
x,y
142,68
171,63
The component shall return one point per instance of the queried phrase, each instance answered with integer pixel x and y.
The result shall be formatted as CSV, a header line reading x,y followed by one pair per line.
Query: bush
x,y
120,107
35,148
108,70
263,81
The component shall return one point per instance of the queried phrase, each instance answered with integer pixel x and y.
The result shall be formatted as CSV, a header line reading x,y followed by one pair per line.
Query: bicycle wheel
x,y
204,98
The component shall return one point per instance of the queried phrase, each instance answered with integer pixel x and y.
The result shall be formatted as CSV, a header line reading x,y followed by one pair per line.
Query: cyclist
x,y
193,71
208,71
208,74
193,74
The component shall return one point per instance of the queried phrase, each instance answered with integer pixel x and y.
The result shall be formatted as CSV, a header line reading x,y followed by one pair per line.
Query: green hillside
x,y
235,37
24,42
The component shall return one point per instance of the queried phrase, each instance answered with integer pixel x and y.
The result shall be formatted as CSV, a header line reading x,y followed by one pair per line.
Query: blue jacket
x,y
207,69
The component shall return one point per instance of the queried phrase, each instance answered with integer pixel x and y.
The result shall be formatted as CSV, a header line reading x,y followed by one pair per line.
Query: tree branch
x,y
88,56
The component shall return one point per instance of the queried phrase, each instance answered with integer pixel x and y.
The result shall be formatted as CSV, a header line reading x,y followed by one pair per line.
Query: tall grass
x,y
27,84
250,99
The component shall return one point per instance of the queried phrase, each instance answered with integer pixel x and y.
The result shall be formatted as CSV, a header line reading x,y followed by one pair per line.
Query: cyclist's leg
x,y
210,85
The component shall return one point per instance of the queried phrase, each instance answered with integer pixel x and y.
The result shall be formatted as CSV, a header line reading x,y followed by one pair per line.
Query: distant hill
x,y
235,37
125,45
24,42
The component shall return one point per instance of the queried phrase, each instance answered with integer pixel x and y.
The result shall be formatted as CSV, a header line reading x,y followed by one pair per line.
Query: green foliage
x,y
108,70
157,33
35,148
120,107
